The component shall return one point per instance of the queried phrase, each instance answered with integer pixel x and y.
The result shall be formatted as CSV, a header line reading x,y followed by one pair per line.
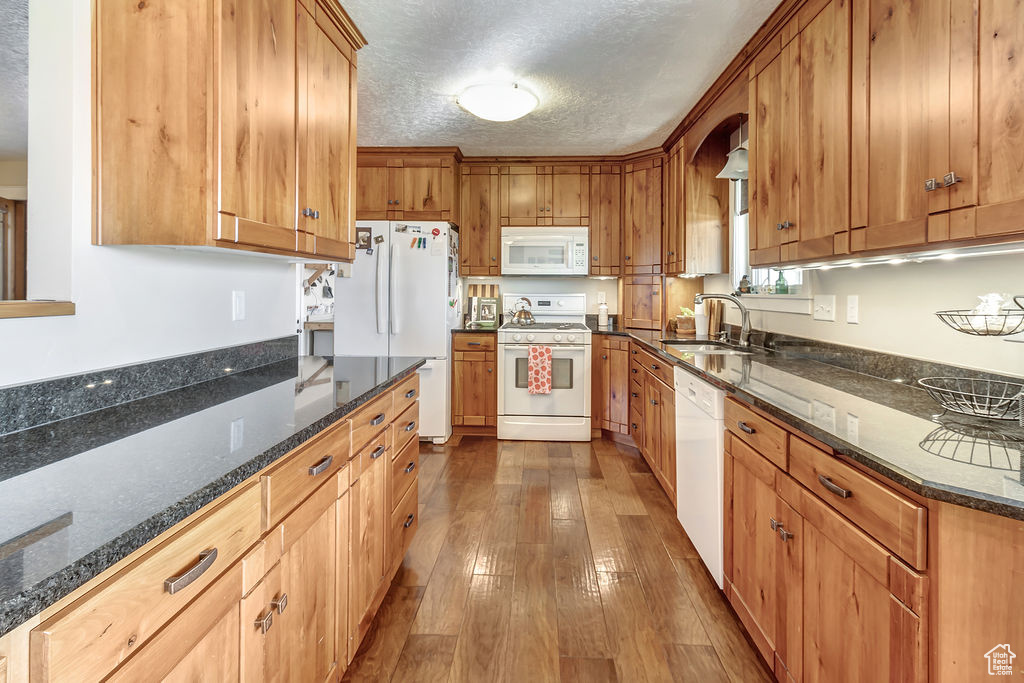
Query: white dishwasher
x,y
700,464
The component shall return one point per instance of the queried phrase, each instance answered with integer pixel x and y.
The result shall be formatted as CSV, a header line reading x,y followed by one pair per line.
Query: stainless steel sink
x,y
705,347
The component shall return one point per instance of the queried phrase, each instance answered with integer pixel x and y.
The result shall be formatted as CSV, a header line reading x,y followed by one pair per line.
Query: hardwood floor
x,y
539,561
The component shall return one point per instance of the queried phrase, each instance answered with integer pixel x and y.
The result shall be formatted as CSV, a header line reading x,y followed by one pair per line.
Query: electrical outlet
x,y
825,307
237,433
852,428
602,297
853,309
237,305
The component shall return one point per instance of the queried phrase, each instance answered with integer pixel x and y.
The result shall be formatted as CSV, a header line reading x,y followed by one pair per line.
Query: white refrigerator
x,y
403,299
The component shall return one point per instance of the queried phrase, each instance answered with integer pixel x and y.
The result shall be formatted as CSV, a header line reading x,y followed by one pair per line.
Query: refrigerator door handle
x,y
380,301
394,288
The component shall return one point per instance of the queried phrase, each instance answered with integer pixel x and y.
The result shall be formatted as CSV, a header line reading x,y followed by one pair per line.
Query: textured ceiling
x,y
13,79
613,76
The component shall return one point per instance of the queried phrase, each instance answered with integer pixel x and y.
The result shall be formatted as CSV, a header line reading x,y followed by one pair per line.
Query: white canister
x,y
700,320
602,315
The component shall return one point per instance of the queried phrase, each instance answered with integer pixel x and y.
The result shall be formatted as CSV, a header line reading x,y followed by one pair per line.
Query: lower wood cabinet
x,y
609,381
652,409
474,380
369,528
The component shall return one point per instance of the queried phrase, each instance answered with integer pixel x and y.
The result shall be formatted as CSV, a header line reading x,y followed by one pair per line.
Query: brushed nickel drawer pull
x,y
408,521
654,366
410,467
411,426
379,451
745,427
473,343
833,487
280,604
377,420
177,583
410,393
321,466
265,622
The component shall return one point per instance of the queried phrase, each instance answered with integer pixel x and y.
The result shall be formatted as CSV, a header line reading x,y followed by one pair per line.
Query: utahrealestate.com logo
x,y
1000,660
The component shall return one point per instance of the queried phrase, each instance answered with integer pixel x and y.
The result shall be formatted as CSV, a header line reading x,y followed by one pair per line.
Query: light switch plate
x,y
853,309
825,307
237,305
237,433
852,428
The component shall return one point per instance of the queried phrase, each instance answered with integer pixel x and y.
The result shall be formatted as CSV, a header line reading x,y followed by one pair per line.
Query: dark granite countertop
x,y
80,494
892,428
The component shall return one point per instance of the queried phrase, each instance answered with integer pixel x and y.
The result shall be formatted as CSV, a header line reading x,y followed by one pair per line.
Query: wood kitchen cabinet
x,y
704,210
673,238
266,167
642,216
606,219
642,302
610,384
369,528
653,415
474,380
480,226
545,195
415,183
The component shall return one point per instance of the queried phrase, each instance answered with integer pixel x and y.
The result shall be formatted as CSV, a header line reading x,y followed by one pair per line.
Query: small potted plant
x,y
685,321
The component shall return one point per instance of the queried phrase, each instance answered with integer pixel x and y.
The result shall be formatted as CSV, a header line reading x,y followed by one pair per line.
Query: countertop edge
x,y
931,491
21,607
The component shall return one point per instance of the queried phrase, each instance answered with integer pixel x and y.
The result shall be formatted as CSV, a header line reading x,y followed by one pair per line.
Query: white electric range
x,y
563,414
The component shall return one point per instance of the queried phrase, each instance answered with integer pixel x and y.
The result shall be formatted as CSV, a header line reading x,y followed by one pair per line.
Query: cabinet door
x,y
263,635
667,439
605,220
366,546
642,225
706,208
372,201
326,80
474,389
672,239
618,387
308,573
1000,143
600,381
642,304
523,199
257,112
570,195
344,651
774,204
651,447
422,189
480,227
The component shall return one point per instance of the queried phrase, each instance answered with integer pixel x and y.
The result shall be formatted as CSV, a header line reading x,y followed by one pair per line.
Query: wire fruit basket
x,y
986,325
989,398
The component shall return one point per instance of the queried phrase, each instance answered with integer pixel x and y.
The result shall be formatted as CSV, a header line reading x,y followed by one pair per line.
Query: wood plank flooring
x,y
539,561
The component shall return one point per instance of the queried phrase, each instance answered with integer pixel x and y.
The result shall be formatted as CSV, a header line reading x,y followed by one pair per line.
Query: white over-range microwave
x,y
552,250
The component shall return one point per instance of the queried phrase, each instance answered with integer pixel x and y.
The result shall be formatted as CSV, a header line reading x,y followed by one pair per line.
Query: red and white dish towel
x,y
538,370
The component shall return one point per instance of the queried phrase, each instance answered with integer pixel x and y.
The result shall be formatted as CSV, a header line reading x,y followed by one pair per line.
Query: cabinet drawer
x,y
289,483
895,521
406,428
767,438
407,393
404,522
657,367
474,342
636,369
636,425
370,419
98,631
378,447
405,469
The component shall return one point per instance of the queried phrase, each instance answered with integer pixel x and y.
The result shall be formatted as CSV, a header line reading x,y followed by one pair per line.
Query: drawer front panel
x,y
767,438
475,342
92,636
407,393
405,469
893,520
291,482
407,427
657,367
371,419
404,522
379,447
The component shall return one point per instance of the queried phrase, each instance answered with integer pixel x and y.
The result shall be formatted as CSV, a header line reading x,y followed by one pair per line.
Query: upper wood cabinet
x,y
545,195
227,144
605,219
408,184
642,216
705,207
673,238
479,226
641,302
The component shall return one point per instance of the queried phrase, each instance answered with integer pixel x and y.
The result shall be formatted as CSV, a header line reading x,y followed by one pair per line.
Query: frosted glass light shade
x,y
497,101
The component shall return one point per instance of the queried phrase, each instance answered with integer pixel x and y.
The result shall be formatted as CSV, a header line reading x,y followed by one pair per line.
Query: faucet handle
x,y
723,336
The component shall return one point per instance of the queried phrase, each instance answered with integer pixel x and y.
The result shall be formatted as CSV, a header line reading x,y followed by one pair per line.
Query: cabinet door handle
x,y
411,426
321,466
604,356
931,185
494,258
950,178
745,427
305,212
316,214
634,394
377,420
280,604
410,393
654,366
379,451
833,487
490,369
784,535
595,258
177,583
410,467
653,402
397,202
409,520
265,622
634,426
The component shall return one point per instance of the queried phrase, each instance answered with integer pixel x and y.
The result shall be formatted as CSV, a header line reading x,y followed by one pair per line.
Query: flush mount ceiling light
x,y
497,101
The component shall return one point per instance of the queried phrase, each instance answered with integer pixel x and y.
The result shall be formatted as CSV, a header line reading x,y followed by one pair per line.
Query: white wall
x,y
133,303
897,309
552,285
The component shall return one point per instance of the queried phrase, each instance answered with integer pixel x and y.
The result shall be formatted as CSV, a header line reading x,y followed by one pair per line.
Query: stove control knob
x,y
517,337
558,337
561,303
531,337
572,337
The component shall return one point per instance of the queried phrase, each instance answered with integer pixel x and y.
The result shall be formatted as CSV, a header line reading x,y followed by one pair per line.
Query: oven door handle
x,y
554,347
